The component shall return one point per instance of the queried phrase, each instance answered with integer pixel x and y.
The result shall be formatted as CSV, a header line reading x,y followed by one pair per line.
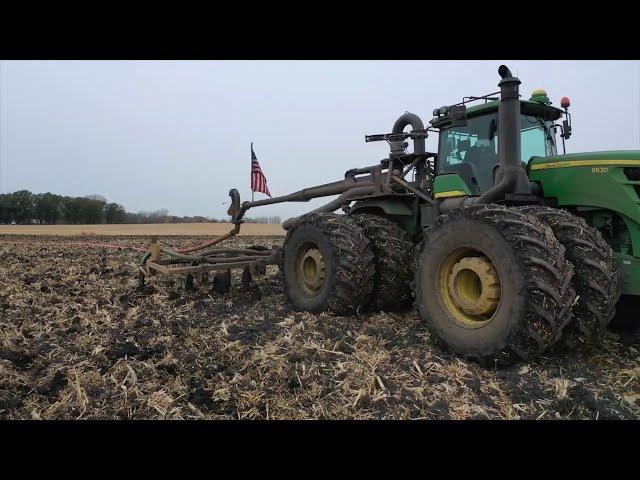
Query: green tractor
x,y
505,245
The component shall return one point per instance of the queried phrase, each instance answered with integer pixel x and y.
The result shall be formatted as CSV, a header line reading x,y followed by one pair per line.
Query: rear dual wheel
x,y
347,264
328,265
393,252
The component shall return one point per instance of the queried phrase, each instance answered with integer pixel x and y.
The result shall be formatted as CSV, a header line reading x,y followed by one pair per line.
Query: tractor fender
x,y
389,206
393,208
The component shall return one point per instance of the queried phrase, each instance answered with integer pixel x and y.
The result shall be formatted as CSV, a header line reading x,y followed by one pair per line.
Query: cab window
x,y
537,138
471,151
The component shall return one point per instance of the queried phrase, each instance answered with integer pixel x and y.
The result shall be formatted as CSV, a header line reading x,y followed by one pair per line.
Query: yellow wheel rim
x,y
469,287
310,269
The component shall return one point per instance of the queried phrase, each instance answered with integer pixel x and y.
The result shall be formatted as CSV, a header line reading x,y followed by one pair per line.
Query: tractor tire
x,y
393,253
595,279
493,285
328,265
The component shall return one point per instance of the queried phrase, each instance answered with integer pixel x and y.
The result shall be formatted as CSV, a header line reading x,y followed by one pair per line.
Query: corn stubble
x,y
79,340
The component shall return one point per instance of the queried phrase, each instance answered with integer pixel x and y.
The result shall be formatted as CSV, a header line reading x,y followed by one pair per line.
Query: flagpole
x,y
252,192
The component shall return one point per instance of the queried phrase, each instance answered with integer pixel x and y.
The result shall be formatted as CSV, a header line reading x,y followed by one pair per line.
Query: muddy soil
x,y
79,340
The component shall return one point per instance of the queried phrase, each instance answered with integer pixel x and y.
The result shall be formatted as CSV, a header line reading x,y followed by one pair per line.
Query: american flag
x,y
258,180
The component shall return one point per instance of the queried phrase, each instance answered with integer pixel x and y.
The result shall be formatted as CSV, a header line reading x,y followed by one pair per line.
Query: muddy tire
x,y
493,285
393,254
328,265
595,279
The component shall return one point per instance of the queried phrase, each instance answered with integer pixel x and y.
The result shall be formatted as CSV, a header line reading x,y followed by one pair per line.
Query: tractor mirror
x,y
458,115
566,128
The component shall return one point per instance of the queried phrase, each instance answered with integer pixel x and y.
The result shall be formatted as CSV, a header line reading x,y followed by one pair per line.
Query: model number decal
x,y
599,170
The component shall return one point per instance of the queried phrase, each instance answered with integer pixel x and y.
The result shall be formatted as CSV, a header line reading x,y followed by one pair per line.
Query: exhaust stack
x,y
511,177
509,119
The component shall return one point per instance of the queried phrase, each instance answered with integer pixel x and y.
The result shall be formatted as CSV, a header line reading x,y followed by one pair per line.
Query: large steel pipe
x,y
333,205
304,195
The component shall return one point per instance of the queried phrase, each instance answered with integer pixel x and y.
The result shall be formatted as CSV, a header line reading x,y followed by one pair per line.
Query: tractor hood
x,y
608,180
620,158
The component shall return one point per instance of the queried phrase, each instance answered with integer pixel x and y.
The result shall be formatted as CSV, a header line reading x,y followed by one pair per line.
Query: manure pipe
x,y
306,194
348,188
401,123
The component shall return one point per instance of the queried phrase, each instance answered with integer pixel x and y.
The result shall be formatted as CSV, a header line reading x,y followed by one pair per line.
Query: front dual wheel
x,y
493,284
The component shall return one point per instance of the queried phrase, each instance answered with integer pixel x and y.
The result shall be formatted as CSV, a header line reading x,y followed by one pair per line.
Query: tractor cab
x,y
468,144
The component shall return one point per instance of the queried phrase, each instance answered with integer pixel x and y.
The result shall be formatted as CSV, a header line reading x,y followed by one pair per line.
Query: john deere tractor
x,y
505,245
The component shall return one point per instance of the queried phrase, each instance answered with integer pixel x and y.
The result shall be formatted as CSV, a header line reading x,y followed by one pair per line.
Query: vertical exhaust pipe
x,y
509,119
511,177
509,147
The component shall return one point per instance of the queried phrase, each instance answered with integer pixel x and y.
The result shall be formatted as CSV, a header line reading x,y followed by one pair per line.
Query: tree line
x,y
24,207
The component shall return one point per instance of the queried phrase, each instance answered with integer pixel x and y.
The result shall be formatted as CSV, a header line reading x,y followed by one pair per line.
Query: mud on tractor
x,y
505,245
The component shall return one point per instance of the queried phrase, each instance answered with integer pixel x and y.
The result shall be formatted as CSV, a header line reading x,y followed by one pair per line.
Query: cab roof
x,y
536,109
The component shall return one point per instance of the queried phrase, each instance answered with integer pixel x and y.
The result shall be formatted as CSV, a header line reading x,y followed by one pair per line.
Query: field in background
x,y
142,229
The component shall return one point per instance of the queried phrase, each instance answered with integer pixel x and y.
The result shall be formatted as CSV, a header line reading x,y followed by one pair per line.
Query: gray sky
x,y
176,134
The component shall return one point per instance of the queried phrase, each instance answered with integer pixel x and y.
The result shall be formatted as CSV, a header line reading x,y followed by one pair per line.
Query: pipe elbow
x,y
498,191
408,119
504,71
416,124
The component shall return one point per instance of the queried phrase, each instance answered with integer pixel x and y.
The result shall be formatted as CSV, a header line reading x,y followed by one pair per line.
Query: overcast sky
x,y
176,134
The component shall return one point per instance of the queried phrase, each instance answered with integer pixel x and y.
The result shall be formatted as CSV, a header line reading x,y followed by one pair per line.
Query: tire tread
x,y
595,280
392,248
354,262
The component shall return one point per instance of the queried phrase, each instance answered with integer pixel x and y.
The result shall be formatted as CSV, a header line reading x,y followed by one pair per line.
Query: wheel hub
x,y
311,270
469,287
474,286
